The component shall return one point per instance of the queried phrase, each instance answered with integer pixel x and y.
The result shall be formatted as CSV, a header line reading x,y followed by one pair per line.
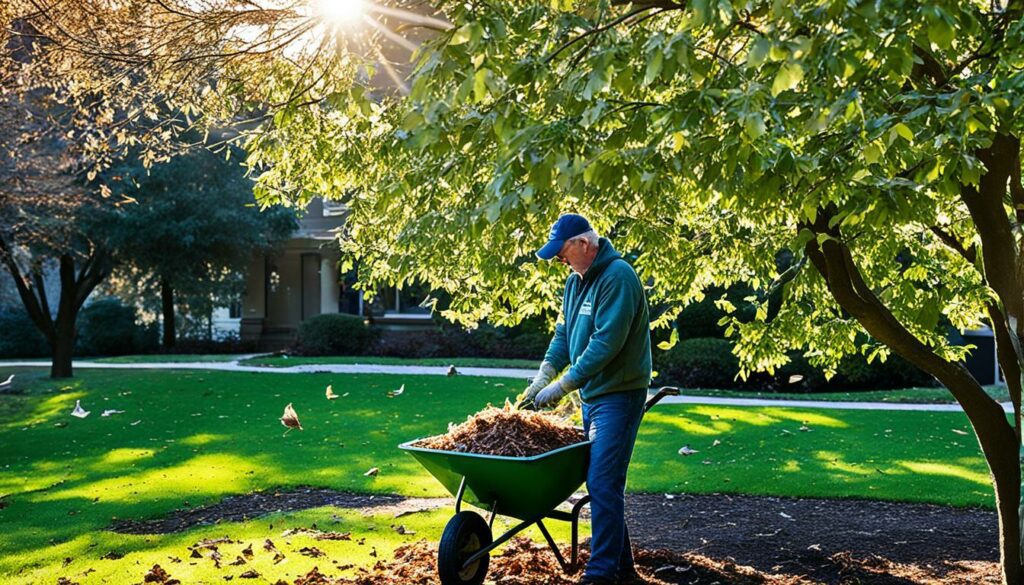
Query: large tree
x,y
190,228
46,208
875,144
859,161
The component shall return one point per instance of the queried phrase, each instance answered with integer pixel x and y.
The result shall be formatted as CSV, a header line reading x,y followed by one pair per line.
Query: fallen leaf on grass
x,y
112,556
393,393
158,575
372,472
334,536
7,382
238,561
290,419
686,450
79,411
110,412
247,551
268,545
250,574
401,529
959,432
136,422
330,393
452,371
311,551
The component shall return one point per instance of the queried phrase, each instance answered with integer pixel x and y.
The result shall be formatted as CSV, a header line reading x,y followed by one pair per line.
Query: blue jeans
x,y
611,422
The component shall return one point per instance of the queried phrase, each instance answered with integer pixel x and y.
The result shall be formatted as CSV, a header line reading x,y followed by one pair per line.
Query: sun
x,y
341,12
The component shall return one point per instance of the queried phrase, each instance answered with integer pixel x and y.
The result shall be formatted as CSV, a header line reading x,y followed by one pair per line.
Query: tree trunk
x,y
167,302
996,436
63,346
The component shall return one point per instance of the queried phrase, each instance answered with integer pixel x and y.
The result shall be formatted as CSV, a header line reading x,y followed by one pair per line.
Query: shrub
x,y
19,337
108,327
335,334
709,363
702,362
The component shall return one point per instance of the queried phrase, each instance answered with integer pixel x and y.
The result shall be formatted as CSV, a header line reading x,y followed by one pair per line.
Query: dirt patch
x,y
691,539
830,541
241,508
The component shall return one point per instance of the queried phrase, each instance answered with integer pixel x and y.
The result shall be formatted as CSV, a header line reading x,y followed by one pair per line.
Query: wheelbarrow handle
x,y
661,393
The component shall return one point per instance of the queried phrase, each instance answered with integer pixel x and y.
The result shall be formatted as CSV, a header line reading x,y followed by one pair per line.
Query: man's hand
x,y
551,394
542,379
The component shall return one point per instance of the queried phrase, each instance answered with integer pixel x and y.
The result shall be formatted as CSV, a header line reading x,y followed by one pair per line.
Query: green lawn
x,y
284,362
201,436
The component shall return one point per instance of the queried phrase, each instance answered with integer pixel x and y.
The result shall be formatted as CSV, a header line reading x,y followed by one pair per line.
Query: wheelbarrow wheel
x,y
465,534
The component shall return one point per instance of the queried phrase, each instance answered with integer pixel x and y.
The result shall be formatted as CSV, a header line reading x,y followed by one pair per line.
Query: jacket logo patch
x,y
586,308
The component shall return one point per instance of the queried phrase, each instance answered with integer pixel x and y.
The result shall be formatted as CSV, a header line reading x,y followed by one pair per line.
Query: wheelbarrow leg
x,y
574,518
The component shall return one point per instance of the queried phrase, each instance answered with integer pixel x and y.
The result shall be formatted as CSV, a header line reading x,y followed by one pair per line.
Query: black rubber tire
x,y
465,533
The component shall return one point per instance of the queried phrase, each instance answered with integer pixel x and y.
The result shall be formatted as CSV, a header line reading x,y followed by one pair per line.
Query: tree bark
x,y
167,302
997,438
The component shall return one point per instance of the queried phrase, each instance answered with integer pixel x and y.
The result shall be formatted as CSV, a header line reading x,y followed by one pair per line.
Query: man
x,y
604,339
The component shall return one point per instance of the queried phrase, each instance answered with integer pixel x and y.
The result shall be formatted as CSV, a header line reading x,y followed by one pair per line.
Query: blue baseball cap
x,y
565,227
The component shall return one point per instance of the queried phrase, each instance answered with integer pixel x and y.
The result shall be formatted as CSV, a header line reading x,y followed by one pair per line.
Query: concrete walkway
x,y
521,374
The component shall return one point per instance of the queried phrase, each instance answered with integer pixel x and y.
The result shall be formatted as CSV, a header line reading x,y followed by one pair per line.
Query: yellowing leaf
x,y
789,76
330,393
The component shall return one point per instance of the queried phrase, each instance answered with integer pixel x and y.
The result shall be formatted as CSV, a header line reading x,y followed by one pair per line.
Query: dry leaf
x,y
79,411
959,432
401,529
247,551
136,422
795,378
290,419
372,472
393,393
686,450
110,412
330,393
8,381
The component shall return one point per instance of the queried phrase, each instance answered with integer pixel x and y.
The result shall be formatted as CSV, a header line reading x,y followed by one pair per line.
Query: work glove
x,y
554,392
544,376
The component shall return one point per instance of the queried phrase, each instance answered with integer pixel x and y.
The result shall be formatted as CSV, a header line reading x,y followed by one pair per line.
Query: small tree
x,y
192,225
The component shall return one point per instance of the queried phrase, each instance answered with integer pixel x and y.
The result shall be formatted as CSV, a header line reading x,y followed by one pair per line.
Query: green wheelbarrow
x,y
525,488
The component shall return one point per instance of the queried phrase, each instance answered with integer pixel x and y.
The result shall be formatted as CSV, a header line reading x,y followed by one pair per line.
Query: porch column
x,y
330,290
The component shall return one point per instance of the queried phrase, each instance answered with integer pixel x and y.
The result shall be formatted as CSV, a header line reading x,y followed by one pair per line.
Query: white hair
x,y
591,238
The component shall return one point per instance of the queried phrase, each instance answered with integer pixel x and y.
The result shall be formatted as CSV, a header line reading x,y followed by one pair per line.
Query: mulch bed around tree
x,y
695,539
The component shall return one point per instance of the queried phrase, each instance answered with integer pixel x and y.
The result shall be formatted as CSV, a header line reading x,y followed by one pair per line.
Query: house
x,y
302,279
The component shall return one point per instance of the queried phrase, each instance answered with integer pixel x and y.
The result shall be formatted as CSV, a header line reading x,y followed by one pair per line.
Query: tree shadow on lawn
x,y
197,437
882,455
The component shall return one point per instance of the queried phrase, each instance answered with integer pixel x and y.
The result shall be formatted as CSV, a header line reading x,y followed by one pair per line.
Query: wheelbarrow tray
x,y
520,487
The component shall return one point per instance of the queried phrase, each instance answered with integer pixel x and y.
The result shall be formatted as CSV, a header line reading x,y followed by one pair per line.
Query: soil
x,y
696,539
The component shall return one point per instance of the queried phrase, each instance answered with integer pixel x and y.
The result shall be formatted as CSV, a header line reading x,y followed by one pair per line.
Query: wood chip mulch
x,y
524,562
507,432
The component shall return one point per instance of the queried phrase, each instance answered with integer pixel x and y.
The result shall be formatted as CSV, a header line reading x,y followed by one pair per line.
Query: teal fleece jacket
x,y
604,335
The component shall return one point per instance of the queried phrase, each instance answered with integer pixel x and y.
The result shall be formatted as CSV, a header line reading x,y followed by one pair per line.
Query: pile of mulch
x,y
524,562
506,431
